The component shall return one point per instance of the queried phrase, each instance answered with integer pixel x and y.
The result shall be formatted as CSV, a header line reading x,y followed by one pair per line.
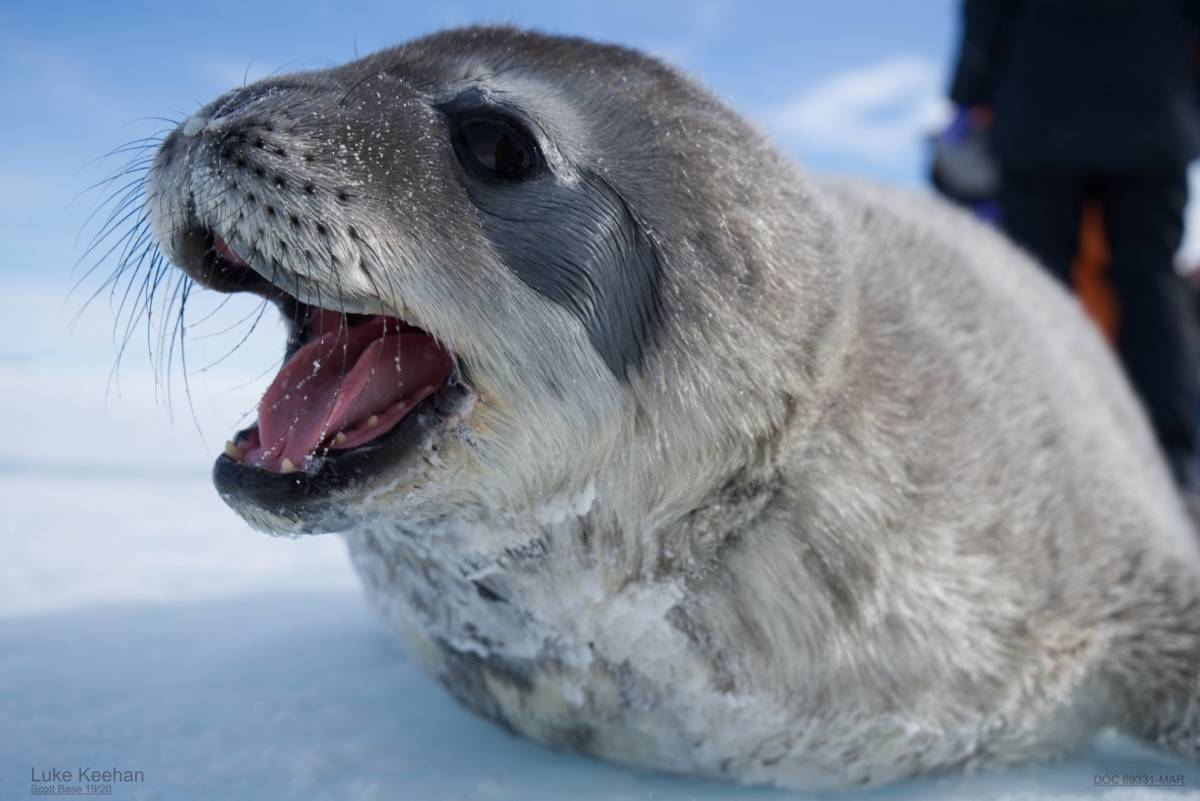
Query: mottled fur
x,y
867,497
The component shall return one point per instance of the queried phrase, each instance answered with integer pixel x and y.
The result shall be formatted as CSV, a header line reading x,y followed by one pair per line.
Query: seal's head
x,y
487,243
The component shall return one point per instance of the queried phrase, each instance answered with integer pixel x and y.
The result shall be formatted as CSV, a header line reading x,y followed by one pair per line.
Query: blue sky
x,y
845,85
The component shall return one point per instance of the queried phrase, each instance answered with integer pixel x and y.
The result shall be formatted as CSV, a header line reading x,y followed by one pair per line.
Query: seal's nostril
x,y
195,123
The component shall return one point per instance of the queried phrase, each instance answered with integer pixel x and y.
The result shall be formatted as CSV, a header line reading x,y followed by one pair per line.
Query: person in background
x,y
963,170
1099,99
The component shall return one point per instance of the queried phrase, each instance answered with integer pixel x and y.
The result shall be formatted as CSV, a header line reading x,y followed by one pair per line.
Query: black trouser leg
x,y
1041,212
1157,330
1157,335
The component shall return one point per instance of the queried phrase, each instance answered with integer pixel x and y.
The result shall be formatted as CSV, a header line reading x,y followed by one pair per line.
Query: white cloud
x,y
879,111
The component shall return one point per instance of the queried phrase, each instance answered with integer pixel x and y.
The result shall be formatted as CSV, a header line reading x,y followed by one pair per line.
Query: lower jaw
x,y
317,500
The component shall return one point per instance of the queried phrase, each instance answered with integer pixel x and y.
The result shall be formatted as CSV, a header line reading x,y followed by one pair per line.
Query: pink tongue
x,y
359,382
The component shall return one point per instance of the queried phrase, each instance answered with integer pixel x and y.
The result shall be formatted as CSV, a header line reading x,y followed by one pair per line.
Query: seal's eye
x,y
497,148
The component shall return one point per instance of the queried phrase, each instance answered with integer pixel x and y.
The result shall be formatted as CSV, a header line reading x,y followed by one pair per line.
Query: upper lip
x,y
205,256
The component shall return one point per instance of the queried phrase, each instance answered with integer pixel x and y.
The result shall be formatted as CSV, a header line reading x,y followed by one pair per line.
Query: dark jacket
x,y
1105,85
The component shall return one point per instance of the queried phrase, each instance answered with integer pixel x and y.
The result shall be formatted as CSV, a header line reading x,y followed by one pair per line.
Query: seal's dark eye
x,y
497,148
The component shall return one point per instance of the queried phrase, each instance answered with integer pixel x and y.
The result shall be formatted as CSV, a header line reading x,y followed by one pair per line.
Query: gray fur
x,y
596,261
857,495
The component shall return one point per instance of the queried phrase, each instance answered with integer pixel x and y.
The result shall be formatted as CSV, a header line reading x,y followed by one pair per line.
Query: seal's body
x,y
698,463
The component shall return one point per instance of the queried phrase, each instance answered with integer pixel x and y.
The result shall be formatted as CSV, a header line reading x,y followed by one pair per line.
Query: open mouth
x,y
356,393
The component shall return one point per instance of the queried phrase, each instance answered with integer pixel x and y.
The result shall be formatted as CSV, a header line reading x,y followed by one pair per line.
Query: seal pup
x,y
657,449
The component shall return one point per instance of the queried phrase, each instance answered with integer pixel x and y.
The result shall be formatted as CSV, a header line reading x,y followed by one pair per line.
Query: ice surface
x,y
143,626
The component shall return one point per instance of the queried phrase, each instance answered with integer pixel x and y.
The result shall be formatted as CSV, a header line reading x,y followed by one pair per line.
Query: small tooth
x,y
286,466
340,439
372,421
233,451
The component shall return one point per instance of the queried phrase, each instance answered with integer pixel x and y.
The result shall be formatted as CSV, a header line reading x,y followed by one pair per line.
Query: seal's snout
x,y
254,167
253,194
